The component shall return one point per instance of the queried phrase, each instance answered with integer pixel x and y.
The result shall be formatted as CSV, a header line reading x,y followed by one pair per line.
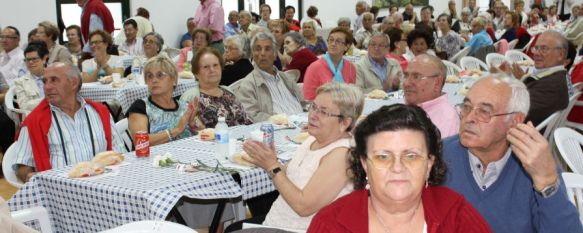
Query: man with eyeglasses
x,y
504,167
376,71
12,58
422,84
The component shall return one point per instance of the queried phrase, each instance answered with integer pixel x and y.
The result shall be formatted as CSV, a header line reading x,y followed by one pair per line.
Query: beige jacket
x,y
27,92
8,224
60,53
367,79
255,97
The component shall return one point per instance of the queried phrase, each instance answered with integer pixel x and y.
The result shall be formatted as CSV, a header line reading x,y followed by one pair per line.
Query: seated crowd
x,y
422,166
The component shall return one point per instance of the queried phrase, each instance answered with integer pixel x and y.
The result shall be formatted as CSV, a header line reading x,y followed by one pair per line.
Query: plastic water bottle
x,y
222,139
137,71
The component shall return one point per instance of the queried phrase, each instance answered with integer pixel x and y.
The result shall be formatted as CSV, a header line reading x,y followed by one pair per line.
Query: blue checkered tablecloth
x,y
127,94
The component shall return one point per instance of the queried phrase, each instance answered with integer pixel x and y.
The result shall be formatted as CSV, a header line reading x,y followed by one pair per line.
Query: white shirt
x,y
485,178
132,49
283,100
12,65
89,65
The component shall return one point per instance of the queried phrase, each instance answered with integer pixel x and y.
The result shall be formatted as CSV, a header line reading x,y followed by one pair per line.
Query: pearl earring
x,y
367,186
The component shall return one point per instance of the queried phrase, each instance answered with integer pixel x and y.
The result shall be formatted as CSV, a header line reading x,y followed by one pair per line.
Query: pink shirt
x,y
183,58
211,15
318,73
443,115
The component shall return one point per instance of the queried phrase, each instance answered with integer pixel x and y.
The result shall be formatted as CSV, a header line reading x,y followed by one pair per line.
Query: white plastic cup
x,y
116,77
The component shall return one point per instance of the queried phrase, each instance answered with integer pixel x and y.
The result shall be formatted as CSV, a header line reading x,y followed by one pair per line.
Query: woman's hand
x,y
262,155
186,118
193,107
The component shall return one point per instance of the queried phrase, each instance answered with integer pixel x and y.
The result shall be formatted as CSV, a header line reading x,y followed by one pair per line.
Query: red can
x,y
142,144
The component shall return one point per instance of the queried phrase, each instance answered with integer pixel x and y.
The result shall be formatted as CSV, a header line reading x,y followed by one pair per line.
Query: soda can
x,y
142,144
268,135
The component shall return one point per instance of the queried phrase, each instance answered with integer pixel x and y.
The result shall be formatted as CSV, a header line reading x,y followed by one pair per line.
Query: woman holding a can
x,y
317,173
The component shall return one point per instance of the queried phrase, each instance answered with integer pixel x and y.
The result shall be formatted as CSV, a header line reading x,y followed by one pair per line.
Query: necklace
x,y
376,213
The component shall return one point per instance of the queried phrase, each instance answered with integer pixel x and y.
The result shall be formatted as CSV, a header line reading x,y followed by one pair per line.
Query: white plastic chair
x,y
36,213
578,103
452,68
494,59
574,185
515,56
472,63
462,53
525,48
512,44
569,143
122,129
172,52
7,162
548,124
17,115
150,226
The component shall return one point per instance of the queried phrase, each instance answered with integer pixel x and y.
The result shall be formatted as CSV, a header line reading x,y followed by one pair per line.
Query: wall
x,y
169,16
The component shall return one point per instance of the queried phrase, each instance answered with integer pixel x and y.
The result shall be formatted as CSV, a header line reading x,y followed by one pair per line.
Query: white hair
x,y
519,100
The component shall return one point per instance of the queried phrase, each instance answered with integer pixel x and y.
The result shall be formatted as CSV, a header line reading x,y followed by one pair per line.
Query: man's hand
x,y
24,173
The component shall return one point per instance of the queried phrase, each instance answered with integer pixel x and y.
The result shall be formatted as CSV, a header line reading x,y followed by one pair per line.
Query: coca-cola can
x,y
142,144
268,135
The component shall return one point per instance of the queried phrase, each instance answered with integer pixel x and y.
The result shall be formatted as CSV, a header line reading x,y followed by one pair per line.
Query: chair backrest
x,y
15,114
525,48
562,121
494,59
569,143
483,51
515,56
7,162
36,213
548,124
462,53
150,226
122,130
512,44
452,68
472,63
574,185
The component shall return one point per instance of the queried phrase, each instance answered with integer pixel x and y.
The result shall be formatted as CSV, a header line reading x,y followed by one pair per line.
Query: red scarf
x,y
95,7
38,123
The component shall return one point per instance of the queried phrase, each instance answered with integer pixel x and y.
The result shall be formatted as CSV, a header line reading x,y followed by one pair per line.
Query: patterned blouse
x,y
319,48
210,107
160,119
451,43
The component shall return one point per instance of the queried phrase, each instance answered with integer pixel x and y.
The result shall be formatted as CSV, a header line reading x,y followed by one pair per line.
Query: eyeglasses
x,y
482,115
159,75
8,37
32,59
150,42
315,109
386,160
377,46
543,49
95,42
415,77
336,42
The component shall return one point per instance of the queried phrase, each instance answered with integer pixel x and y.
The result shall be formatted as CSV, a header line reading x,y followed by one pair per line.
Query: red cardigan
x,y
576,114
445,211
38,123
300,61
95,7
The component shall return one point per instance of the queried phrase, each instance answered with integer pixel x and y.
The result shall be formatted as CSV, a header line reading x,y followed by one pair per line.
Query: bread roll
x,y
452,79
279,119
86,169
108,158
186,75
243,159
377,94
207,134
301,137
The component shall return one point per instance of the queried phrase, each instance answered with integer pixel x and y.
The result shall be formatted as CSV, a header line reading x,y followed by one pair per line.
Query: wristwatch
x,y
271,173
550,190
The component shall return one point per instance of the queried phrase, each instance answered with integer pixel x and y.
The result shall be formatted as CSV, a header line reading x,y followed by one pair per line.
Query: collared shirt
x,y
478,40
443,115
262,23
231,30
357,23
38,80
12,65
133,49
378,69
75,133
283,100
485,177
211,15
362,36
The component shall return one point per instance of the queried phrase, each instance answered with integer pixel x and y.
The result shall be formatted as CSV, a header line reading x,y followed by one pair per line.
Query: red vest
x,y
38,123
95,7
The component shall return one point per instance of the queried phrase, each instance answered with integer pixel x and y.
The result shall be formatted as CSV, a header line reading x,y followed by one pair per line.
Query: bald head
x,y
424,79
432,62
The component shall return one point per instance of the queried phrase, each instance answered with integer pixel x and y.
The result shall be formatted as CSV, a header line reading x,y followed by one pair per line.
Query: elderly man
x,y
94,16
186,39
409,14
210,15
361,7
247,27
64,129
133,45
232,27
422,84
12,58
388,24
363,35
480,37
267,91
504,167
376,71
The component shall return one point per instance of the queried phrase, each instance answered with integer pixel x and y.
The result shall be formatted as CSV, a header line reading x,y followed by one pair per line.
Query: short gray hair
x,y
245,13
382,35
466,10
72,72
519,100
348,98
560,39
343,20
242,44
366,6
297,37
159,40
264,36
165,64
482,21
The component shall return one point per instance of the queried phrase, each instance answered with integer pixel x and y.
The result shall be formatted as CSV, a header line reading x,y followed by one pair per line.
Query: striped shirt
x,y
282,98
75,135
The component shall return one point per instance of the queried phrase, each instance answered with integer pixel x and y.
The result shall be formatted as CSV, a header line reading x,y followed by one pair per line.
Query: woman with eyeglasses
x,y
163,116
331,66
213,100
29,88
317,173
153,43
397,168
102,64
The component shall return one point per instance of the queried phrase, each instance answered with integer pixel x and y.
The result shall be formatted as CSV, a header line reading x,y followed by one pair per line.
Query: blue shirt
x,y
231,30
185,37
478,40
378,69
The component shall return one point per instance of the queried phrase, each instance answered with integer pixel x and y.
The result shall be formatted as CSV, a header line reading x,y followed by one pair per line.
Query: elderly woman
x,y
29,88
301,57
420,41
463,25
426,20
278,27
449,42
313,42
312,13
102,64
237,64
161,115
201,37
152,44
213,100
397,168
332,66
74,42
49,33
316,175
398,47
